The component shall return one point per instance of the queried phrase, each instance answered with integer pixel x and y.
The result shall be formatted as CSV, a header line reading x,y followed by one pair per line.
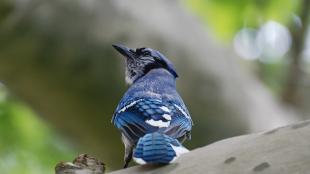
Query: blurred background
x,y
244,67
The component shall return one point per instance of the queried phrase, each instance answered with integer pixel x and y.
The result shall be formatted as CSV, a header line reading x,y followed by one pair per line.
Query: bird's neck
x,y
157,83
159,75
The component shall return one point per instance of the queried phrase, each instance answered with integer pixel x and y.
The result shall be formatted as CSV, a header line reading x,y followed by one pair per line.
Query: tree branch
x,y
284,150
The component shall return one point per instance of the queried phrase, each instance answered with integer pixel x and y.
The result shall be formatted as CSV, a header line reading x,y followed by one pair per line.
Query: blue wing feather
x,y
141,116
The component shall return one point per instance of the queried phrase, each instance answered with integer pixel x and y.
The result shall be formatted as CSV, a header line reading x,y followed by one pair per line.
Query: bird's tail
x,y
157,148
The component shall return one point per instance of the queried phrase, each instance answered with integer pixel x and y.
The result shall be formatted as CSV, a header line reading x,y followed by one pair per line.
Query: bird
x,y
151,116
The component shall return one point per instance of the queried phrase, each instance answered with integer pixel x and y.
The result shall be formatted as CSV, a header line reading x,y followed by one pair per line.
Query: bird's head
x,y
142,60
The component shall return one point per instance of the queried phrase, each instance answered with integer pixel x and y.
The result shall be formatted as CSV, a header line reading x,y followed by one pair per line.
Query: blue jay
x,y
151,116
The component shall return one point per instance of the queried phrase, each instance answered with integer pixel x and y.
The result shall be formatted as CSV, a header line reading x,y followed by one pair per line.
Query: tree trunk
x,y
291,93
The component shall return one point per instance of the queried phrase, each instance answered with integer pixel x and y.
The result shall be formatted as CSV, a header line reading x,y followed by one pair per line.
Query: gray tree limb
x,y
284,150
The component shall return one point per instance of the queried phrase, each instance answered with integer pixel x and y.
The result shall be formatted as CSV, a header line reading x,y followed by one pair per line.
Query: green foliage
x,y
27,145
5,8
226,17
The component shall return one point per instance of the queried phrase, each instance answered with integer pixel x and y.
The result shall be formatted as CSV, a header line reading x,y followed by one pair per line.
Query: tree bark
x,y
83,164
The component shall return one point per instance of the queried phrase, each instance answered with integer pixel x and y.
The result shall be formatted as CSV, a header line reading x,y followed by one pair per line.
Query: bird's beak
x,y
125,51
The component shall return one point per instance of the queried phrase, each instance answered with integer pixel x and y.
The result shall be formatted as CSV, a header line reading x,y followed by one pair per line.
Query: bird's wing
x,y
141,116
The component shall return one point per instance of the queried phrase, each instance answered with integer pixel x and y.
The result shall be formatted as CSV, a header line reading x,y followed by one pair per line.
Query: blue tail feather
x,y
157,148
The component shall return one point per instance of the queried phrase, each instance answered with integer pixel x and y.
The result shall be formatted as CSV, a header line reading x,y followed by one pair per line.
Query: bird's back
x,y
152,104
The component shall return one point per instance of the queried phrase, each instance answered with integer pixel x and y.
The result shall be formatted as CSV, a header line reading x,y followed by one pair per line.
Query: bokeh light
x,y
245,44
271,42
274,40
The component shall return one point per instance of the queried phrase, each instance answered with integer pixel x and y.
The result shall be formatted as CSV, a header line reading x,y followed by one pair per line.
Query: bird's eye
x,y
146,53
